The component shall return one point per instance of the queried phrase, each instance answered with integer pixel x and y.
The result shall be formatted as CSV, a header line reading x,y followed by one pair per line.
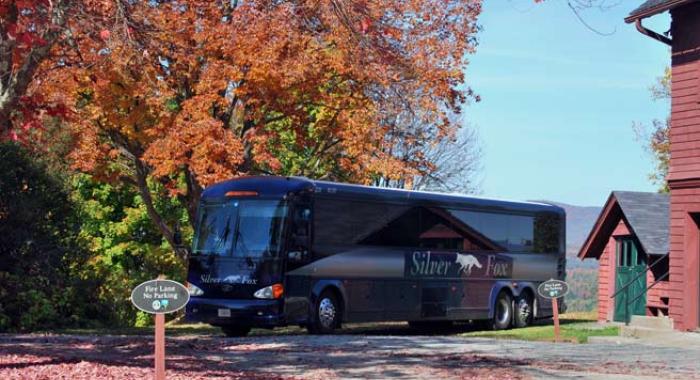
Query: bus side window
x,y
300,235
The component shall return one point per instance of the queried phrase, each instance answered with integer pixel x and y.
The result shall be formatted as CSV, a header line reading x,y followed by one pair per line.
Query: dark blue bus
x,y
276,251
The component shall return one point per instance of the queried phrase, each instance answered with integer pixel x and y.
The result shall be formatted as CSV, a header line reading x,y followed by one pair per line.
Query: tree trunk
x,y
191,200
167,232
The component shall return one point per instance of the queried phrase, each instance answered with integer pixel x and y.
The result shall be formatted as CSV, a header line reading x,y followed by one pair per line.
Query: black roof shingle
x,y
648,217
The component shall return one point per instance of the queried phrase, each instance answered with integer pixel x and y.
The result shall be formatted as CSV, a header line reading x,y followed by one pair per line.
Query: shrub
x,y
38,245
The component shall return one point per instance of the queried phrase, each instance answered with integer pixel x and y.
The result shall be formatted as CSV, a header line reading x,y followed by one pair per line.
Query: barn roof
x,y
652,7
646,215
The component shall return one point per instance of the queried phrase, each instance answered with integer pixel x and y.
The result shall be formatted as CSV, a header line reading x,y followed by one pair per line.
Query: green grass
x,y
575,327
577,333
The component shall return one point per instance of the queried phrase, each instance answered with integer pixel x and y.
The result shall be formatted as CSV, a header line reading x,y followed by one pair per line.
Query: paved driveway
x,y
421,357
341,356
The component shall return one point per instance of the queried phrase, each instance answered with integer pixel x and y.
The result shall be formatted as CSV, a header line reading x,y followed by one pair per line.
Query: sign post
x,y
160,297
554,289
555,310
160,347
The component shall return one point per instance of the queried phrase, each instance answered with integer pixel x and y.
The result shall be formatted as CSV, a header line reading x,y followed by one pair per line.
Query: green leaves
x,y
126,248
71,253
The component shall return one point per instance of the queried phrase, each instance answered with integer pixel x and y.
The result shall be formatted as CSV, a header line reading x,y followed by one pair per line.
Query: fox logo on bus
x,y
457,265
466,263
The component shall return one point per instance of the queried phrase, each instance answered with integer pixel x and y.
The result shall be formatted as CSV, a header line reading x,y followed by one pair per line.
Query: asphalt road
x,y
351,356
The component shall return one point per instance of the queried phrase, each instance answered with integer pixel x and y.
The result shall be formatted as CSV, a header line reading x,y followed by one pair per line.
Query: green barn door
x,y
631,263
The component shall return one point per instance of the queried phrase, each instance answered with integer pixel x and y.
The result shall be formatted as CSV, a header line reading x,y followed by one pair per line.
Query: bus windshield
x,y
240,228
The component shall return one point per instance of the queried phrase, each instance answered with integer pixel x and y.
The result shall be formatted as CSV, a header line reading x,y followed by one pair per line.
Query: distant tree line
x,y
583,293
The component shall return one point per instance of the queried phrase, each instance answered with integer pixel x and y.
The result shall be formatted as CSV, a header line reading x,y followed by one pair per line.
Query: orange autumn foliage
x,y
191,93
36,36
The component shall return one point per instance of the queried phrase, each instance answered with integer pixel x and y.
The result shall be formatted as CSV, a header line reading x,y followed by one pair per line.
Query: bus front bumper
x,y
222,312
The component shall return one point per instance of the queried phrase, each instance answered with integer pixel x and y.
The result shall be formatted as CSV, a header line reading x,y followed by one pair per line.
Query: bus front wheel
x,y
503,311
235,331
326,315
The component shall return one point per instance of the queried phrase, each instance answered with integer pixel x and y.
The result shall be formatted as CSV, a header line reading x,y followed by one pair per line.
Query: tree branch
x,y
142,186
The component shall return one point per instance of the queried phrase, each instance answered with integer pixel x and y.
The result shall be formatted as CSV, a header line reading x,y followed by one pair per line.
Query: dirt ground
x,y
351,356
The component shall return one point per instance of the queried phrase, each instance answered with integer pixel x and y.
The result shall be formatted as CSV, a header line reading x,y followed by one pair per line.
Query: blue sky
x,y
558,101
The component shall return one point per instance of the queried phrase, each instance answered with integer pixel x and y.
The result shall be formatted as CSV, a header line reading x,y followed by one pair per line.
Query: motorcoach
x,y
275,251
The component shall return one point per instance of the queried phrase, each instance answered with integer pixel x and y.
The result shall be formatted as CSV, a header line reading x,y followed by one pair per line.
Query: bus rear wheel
x,y
503,311
235,331
326,314
523,313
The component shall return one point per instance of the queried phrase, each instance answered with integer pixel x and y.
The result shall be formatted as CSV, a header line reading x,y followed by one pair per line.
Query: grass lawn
x,y
575,327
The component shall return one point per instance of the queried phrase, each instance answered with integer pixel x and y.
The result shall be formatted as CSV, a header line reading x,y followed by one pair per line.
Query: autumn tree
x,y
186,94
27,31
656,137
36,33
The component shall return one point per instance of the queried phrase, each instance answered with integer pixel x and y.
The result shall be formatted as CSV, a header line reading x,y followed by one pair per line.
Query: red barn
x,y
681,292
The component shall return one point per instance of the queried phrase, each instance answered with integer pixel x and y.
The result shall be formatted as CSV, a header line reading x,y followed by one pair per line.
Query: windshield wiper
x,y
239,238
224,236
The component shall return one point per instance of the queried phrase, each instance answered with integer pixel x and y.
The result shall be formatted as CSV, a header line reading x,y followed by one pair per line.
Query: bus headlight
x,y
270,292
194,290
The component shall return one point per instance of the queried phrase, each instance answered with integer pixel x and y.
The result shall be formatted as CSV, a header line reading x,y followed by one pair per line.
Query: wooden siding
x,y
606,274
658,296
685,94
684,270
684,171
606,283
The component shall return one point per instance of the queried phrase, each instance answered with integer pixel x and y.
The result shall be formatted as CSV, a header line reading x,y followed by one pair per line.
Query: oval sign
x,y
160,296
553,289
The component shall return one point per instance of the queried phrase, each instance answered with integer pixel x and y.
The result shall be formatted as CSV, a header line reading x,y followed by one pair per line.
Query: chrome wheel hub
x,y
524,310
326,313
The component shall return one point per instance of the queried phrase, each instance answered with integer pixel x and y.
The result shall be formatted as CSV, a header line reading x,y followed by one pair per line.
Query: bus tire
x,y
232,331
503,311
523,313
326,314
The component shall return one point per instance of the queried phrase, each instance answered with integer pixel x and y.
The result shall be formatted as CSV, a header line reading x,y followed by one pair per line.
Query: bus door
x,y
298,254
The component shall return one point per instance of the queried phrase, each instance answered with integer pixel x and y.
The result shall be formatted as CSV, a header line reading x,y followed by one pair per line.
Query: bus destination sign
x,y
160,296
553,289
